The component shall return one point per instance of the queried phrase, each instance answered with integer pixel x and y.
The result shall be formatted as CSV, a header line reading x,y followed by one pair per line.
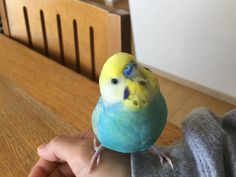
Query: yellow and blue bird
x,y
131,112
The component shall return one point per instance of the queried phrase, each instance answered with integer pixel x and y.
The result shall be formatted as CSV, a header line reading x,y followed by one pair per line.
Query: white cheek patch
x,y
113,93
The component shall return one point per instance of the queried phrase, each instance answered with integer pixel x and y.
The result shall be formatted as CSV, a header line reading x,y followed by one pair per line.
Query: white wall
x,y
191,39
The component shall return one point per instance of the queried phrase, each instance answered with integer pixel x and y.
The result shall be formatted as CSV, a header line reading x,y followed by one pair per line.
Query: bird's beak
x,y
140,76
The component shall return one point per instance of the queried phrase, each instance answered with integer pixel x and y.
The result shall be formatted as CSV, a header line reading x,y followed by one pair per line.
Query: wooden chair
x,y
79,34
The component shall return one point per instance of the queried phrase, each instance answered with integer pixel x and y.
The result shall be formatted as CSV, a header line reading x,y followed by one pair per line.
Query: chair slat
x,y
84,47
16,21
4,19
51,25
68,42
36,28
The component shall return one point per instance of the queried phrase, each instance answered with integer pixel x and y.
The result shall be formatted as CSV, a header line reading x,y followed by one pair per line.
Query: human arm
x,y
71,155
208,149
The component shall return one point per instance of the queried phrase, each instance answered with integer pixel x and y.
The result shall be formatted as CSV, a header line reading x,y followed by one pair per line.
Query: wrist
x,y
113,164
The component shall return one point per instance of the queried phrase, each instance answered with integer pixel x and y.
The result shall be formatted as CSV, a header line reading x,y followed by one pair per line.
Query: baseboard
x,y
214,93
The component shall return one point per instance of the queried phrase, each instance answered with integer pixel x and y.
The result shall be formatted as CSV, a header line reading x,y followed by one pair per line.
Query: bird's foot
x,y
96,156
162,156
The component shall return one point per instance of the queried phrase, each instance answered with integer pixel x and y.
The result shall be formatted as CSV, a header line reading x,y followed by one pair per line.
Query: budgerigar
x,y
131,111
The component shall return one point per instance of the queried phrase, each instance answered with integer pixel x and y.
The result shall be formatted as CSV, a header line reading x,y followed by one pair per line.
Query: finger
x,y
72,149
62,170
43,168
61,148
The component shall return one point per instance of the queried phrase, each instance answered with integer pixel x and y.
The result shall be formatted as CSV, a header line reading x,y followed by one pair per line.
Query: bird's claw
x,y
96,148
162,156
96,156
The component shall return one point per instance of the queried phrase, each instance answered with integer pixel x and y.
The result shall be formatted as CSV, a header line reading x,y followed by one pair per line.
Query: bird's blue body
x,y
124,130
131,112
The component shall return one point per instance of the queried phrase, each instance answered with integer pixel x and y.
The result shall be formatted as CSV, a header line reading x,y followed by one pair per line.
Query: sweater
x,y
207,149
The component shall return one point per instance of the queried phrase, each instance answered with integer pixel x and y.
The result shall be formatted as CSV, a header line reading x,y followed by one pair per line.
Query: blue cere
x,y
129,69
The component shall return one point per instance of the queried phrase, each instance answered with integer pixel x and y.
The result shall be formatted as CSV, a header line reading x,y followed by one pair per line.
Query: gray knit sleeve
x,y
208,149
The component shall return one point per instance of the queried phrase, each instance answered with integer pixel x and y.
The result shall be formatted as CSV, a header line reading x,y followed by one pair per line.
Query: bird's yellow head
x,y
122,79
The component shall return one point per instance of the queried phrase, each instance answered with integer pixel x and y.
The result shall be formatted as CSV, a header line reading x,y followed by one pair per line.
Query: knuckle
x,y
58,139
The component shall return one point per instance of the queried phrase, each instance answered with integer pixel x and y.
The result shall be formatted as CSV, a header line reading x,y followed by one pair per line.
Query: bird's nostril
x,y
142,82
147,68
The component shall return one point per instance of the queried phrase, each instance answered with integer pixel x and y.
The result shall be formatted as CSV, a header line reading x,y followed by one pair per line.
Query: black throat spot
x,y
126,93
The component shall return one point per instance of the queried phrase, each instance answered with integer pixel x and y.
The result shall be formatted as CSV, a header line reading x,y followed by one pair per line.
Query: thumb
x,y
58,149
75,150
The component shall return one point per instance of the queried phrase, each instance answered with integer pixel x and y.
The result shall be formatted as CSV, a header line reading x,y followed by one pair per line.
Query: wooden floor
x,y
181,100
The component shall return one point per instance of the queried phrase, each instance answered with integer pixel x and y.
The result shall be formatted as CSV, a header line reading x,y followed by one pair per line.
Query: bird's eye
x,y
114,81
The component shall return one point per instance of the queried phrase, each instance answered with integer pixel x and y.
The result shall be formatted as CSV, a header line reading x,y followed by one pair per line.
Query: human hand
x,y
69,156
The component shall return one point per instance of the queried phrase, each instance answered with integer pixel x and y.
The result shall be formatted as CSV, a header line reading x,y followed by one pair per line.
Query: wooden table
x,y
40,99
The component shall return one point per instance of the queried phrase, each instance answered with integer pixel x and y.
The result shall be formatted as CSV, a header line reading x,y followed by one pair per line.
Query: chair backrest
x,y
78,34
